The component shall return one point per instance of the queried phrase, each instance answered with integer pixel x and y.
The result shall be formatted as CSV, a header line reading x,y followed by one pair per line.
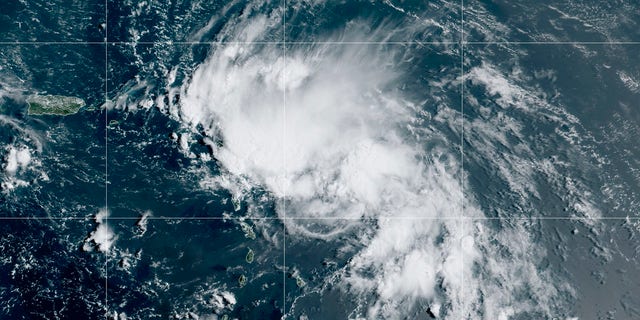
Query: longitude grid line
x,y
284,158
106,154
462,147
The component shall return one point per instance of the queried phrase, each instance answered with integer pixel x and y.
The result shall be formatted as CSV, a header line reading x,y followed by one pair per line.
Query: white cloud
x,y
18,165
142,223
631,83
102,237
523,167
336,147
17,158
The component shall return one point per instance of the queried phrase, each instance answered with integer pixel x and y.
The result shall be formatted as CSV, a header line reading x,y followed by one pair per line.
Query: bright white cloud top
x,y
325,130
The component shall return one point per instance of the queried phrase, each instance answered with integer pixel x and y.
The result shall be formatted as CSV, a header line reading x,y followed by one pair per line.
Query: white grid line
x,y
106,153
284,159
226,42
461,221
552,42
337,218
323,42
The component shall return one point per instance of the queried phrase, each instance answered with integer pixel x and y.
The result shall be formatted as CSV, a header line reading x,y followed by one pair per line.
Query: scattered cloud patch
x,y
103,237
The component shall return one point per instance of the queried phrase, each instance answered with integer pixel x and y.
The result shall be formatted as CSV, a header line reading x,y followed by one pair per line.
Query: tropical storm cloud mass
x,y
319,160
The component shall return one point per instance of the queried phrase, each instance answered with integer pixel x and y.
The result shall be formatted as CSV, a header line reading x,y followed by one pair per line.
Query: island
x,y
248,230
249,257
53,105
242,280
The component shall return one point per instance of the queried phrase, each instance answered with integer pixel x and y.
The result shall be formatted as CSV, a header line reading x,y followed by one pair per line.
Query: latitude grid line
x,y
532,218
472,43
461,43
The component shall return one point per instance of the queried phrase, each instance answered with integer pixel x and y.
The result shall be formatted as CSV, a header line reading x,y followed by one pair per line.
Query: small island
x,y
242,280
249,256
53,105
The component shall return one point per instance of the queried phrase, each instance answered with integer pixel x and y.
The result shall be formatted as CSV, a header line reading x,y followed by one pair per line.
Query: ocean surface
x,y
317,159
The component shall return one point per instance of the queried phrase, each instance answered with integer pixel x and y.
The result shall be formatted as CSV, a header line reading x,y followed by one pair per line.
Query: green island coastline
x,y
53,105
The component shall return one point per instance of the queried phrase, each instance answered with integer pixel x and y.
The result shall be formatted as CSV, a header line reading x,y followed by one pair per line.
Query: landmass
x,y
249,257
299,281
242,280
248,230
53,105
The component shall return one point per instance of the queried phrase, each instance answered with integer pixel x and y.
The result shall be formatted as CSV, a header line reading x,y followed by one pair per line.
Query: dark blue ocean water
x,y
542,99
